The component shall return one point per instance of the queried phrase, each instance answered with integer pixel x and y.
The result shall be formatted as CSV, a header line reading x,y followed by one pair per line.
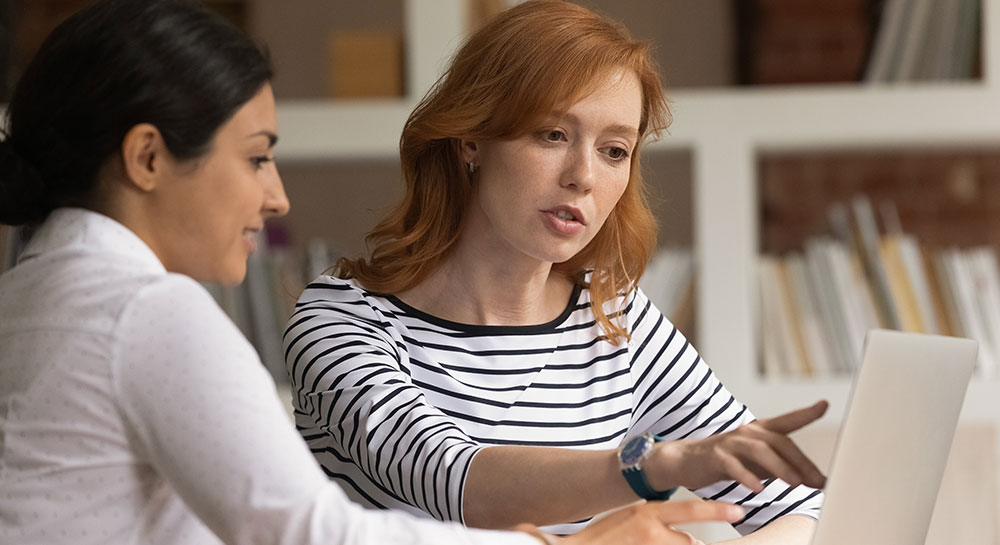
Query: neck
x,y
473,286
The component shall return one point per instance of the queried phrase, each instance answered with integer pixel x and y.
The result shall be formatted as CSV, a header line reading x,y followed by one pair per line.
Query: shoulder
x,y
172,334
172,295
330,290
644,319
329,299
176,312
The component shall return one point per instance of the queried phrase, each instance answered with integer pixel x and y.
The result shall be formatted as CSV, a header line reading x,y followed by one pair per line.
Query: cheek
x,y
613,193
499,197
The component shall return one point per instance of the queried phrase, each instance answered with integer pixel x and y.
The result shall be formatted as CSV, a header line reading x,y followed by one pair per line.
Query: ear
x,y
469,151
144,156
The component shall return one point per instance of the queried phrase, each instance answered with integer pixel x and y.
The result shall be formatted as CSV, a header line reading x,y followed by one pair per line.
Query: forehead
x,y
255,116
616,96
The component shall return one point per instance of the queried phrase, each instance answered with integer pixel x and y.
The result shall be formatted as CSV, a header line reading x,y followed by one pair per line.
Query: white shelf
x,y
796,118
767,119
328,131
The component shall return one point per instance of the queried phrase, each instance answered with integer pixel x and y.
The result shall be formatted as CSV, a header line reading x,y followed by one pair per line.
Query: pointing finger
x,y
794,420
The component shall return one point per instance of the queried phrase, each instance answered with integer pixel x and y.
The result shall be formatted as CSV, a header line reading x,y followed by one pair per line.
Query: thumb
x,y
696,511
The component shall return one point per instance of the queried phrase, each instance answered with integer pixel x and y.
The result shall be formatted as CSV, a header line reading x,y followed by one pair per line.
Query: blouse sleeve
x,y
351,383
677,396
203,412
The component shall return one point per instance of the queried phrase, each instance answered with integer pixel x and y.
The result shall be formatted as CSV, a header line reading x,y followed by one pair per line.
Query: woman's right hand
x,y
749,454
651,523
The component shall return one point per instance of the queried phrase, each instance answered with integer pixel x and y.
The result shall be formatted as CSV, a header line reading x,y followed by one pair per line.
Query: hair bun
x,y
23,198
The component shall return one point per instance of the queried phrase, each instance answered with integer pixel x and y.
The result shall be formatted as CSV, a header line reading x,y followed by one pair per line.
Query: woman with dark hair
x,y
132,410
493,360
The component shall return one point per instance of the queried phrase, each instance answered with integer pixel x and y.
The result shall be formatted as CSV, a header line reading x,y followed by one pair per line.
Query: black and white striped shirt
x,y
394,403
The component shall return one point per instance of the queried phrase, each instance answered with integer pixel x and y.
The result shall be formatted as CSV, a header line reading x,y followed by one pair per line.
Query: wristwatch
x,y
631,455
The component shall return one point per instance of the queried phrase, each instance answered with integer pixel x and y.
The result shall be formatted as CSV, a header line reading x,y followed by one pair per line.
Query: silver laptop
x,y
895,439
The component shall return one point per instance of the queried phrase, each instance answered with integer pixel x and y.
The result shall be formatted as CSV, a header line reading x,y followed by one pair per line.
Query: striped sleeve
x,y
677,396
354,395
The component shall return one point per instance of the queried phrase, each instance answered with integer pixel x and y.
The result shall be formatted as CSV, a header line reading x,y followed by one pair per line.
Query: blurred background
x,y
832,167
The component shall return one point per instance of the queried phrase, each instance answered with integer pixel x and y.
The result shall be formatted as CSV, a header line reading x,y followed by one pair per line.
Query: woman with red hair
x,y
140,144
493,360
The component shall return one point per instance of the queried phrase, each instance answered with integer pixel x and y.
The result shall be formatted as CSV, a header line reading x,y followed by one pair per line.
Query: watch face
x,y
633,450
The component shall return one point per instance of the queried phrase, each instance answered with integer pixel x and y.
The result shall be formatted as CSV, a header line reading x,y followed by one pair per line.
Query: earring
x,y
472,167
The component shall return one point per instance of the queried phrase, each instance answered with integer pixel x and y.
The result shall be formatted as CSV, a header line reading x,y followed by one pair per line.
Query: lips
x,y
250,238
567,213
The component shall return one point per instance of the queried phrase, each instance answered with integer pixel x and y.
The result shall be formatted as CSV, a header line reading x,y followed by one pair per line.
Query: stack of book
x,y
926,40
669,284
817,305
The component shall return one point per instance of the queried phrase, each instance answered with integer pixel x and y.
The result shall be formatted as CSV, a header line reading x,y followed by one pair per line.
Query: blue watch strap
x,y
636,479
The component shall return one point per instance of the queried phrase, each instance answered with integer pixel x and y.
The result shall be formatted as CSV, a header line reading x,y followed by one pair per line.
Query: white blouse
x,y
132,411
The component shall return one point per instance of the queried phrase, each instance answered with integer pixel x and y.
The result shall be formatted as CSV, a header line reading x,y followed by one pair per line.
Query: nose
x,y
579,172
275,201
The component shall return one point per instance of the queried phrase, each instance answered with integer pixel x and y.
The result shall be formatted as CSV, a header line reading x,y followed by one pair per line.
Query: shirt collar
x,y
78,227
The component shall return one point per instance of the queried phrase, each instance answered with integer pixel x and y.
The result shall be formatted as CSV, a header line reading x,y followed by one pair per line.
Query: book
x,y
916,271
811,330
867,236
904,297
669,283
918,26
967,38
886,46
780,352
828,303
960,295
938,48
981,265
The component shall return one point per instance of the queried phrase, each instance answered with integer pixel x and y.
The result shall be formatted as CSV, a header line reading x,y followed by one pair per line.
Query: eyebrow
x,y
617,128
624,130
272,138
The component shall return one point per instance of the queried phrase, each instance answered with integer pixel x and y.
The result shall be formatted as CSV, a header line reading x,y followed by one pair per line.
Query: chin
x,y
229,277
233,279
560,255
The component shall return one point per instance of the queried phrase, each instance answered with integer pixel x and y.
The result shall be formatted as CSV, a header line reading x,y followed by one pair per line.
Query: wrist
x,y
662,468
635,458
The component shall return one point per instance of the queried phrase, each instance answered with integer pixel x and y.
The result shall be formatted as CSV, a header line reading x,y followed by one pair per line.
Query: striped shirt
x,y
395,403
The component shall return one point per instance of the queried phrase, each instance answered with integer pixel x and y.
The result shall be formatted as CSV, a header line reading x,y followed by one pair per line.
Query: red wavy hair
x,y
530,60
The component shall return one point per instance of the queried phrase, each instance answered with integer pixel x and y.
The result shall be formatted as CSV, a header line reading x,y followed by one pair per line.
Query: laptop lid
x,y
895,438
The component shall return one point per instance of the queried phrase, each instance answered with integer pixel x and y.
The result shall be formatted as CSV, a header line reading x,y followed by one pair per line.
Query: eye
x,y
617,153
555,135
259,161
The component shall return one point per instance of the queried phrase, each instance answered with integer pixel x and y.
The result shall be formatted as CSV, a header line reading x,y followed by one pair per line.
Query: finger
x,y
733,468
695,511
758,453
789,422
808,473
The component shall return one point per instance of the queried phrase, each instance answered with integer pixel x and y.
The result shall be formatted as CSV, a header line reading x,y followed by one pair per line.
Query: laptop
x,y
895,438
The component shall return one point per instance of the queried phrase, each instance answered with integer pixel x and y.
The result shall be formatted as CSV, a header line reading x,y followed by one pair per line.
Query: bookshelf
x,y
728,129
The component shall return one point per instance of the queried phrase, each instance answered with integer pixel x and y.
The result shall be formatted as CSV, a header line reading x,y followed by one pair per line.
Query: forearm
x,y
788,530
507,485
